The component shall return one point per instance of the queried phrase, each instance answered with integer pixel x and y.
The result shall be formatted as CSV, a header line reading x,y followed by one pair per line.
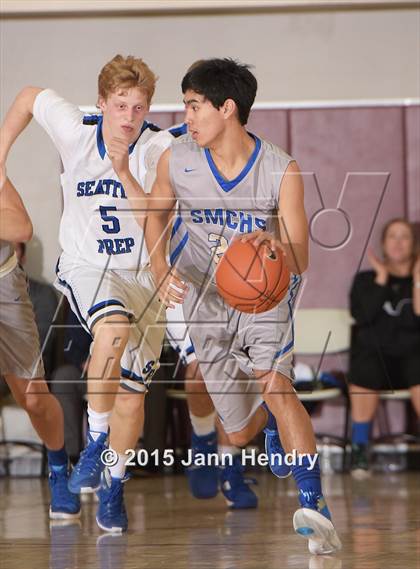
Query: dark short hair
x,y
221,79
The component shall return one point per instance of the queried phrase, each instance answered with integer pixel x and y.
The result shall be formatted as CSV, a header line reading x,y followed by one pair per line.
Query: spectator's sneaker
x,y
203,480
360,462
86,475
111,515
112,550
64,504
313,522
235,487
273,448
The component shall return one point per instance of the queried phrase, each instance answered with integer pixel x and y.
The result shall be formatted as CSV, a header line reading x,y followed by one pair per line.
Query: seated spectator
x,y
385,348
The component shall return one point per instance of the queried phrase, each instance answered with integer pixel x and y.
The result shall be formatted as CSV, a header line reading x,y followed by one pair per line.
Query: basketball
x,y
252,279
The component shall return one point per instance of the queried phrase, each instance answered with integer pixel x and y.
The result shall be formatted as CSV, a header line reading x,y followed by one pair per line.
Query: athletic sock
x,y
203,425
308,481
271,420
57,459
360,433
98,422
118,469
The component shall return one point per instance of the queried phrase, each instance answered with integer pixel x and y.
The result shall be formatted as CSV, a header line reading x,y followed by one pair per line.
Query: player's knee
x,y
33,404
239,439
275,383
36,398
129,404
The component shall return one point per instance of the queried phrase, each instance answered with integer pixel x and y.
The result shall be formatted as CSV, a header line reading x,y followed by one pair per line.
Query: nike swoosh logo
x,y
189,169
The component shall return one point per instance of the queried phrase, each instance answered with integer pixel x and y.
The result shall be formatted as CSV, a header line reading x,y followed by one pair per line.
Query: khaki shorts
x,y
20,353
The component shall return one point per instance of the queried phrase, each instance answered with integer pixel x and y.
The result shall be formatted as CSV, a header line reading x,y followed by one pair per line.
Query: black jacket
x,y
384,315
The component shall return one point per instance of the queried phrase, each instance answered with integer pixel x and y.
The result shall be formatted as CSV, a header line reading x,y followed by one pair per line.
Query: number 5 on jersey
x,y
112,226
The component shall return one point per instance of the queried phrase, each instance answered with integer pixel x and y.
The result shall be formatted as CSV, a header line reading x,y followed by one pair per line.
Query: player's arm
x,y
16,120
137,195
294,233
118,154
292,223
161,202
15,223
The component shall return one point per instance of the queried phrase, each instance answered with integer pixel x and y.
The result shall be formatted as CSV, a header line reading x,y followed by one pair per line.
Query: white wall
x,y
297,55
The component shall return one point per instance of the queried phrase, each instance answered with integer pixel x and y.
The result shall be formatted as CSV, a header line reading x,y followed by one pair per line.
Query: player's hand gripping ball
x,y
251,277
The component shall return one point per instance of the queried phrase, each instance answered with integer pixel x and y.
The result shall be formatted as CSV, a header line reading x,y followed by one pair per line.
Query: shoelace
x,y
59,481
276,445
89,456
115,503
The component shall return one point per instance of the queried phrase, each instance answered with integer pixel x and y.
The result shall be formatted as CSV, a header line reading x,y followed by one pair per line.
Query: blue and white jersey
x,y
178,129
97,226
212,210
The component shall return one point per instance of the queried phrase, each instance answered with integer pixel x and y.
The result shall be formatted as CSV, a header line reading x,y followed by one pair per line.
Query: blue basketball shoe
x,y
64,505
273,448
236,488
313,522
86,475
203,479
112,515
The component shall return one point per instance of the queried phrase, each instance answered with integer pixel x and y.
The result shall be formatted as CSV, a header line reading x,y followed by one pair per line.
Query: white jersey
x,y
97,226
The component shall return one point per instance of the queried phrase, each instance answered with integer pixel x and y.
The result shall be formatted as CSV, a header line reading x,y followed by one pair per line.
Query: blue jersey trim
x,y
100,139
127,374
176,252
228,185
91,119
76,307
176,225
103,304
189,350
295,283
178,130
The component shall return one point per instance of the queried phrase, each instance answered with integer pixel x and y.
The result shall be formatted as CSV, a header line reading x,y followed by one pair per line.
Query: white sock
x,y
98,422
118,470
203,425
228,449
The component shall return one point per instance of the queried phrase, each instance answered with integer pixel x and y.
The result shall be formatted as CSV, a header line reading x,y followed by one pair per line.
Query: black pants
x,y
377,371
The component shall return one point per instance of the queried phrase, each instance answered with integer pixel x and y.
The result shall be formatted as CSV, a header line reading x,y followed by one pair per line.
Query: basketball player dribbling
x,y
230,183
109,164
207,433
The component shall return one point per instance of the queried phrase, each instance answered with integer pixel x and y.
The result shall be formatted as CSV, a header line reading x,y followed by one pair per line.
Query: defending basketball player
x,y
109,164
230,183
20,354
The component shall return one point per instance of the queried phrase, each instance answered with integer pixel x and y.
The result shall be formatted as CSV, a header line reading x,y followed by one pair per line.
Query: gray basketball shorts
x,y
230,345
94,294
20,352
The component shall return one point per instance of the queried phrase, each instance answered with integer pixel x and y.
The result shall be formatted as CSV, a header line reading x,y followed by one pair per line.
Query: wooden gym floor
x,y
378,522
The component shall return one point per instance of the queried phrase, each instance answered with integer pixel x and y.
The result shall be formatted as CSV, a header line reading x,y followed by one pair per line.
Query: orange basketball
x,y
252,279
